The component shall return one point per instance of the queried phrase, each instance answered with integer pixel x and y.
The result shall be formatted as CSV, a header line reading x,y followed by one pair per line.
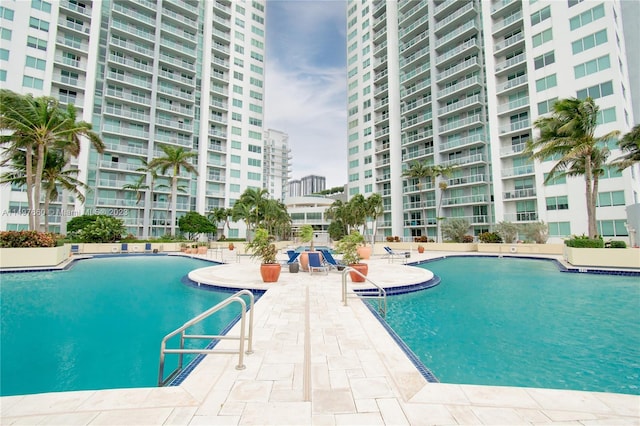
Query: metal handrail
x,y
380,293
181,330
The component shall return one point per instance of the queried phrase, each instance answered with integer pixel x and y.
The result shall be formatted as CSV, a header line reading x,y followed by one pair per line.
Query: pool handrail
x,y
181,330
379,293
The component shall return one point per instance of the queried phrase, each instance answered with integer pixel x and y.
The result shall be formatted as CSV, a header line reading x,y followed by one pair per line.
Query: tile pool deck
x,y
317,361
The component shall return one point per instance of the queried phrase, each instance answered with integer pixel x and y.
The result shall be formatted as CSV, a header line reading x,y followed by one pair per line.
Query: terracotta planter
x,y
270,272
420,249
363,268
364,252
202,250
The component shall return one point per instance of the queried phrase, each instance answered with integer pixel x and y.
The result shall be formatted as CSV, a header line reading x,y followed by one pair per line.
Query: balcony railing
x,y
519,193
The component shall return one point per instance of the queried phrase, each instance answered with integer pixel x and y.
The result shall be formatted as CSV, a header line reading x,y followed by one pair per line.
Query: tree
x,y
250,208
219,215
103,229
336,213
193,223
373,210
507,231
175,159
138,187
536,231
570,134
35,125
630,144
455,229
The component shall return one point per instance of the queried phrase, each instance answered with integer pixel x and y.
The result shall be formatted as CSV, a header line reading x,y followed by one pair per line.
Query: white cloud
x,y
306,84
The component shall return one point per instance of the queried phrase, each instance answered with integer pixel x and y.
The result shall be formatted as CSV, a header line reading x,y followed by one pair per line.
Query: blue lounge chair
x,y
315,263
147,248
75,249
331,261
293,256
402,255
124,248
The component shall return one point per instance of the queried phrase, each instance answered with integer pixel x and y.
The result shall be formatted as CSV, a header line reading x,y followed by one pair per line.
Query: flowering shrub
x,y
16,239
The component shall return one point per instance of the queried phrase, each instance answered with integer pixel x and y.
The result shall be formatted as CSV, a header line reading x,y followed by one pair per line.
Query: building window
x,y
546,106
591,67
3,75
606,115
612,228
587,17
558,203
559,229
39,24
32,82
589,42
610,172
254,176
597,91
607,199
37,43
540,15
546,83
543,37
6,13
556,180
4,55
544,60
41,5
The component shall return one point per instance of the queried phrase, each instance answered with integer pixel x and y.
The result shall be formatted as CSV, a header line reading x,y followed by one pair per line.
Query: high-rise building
x,y
295,188
277,167
145,73
460,83
313,184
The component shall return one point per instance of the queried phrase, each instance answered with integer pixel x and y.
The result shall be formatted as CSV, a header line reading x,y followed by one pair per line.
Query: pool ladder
x,y
235,298
379,293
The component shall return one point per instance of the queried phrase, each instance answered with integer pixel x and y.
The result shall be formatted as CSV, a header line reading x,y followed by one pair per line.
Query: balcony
x,y
119,112
410,155
467,180
134,47
459,124
134,14
464,84
416,87
460,68
177,47
466,199
455,16
175,92
130,63
461,31
382,132
412,11
191,23
521,217
129,79
511,62
417,39
125,148
409,30
466,141
174,124
513,105
179,62
417,188
70,62
515,126
472,100
119,94
416,103
444,7
458,50
419,205
519,193
63,22
407,139
120,166
512,84
507,23
132,30
469,159
512,150
173,77
414,56
511,41
415,73
526,169
75,7
417,120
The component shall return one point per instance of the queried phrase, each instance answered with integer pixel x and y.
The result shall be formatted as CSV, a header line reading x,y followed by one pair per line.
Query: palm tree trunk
x,y
29,177
591,201
174,202
37,184
47,201
594,198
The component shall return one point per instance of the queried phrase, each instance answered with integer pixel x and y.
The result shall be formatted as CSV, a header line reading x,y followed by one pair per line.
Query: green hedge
x,y
17,239
618,244
585,242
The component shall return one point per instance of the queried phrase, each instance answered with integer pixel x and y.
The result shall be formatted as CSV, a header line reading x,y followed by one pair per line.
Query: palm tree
x,y
630,143
54,174
569,133
439,171
218,215
175,159
373,209
35,125
250,207
138,186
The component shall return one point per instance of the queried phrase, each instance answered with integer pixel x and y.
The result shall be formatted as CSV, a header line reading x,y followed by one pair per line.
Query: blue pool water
x,y
98,325
517,322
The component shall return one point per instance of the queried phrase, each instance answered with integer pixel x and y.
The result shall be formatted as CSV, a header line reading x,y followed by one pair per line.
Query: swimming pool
x,y
518,322
99,324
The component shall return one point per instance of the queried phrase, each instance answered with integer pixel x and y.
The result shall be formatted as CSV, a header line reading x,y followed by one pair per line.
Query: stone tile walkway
x,y
317,361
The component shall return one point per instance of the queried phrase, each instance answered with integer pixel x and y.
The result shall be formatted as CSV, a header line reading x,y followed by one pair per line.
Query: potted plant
x,y
348,246
231,246
183,247
420,248
202,248
262,246
306,236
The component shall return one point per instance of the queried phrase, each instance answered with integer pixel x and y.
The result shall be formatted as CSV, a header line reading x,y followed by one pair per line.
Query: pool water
x,y
518,322
98,325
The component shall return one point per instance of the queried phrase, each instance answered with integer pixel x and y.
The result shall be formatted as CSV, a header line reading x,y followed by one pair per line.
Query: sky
x,y
306,84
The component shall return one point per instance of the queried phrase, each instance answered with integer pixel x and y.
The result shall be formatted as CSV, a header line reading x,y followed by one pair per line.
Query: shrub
x,y
390,239
584,242
16,239
455,229
536,231
508,231
490,238
422,239
105,229
618,244
467,239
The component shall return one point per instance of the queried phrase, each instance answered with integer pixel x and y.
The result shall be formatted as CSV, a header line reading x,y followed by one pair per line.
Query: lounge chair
x,y
147,248
293,256
124,248
315,263
331,261
402,255
75,249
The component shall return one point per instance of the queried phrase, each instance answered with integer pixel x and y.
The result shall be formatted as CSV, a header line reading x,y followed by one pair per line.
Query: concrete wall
x,y
33,257
613,258
521,248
